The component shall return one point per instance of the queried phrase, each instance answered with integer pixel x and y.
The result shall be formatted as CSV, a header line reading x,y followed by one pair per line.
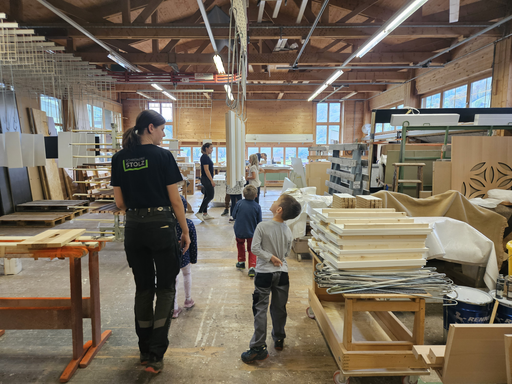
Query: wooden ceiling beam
x,y
304,11
358,31
265,58
258,88
196,16
170,45
116,7
361,8
376,12
148,11
126,12
474,12
75,11
321,76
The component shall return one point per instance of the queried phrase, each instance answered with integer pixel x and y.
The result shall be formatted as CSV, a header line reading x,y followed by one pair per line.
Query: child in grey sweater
x,y
271,243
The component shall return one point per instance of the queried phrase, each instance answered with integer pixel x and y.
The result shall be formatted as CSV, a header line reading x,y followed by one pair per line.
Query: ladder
x,y
419,181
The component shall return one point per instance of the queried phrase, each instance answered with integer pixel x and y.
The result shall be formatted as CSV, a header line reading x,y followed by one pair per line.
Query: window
x,y
166,110
321,134
303,154
334,134
433,101
214,155
196,154
329,113
456,97
290,152
378,128
480,95
97,114
185,151
221,151
252,151
277,154
268,152
53,108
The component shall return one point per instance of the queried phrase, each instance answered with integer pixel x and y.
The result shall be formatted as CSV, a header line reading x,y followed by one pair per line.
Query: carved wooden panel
x,y
481,163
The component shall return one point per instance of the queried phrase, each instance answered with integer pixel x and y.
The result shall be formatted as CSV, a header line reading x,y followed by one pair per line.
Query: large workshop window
x,y
455,97
252,151
165,109
221,154
480,93
53,108
328,123
432,101
186,151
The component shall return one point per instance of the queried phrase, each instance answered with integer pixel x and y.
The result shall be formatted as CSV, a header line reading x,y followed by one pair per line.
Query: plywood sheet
x,y
475,353
480,164
53,177
441,177
54,238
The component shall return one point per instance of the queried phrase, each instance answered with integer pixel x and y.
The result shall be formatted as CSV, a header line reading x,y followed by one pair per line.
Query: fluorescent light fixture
x,y
390,26
144,95
348,96
228,91
123,62
218,63
334,76
317,92
169,95
156,86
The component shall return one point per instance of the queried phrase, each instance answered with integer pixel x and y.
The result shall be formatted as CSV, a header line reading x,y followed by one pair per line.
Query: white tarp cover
x,y
458,242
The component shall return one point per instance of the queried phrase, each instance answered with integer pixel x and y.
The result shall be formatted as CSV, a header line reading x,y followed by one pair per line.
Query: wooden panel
x,y
441,177
316,176
54,238
477,64
480,164
475,353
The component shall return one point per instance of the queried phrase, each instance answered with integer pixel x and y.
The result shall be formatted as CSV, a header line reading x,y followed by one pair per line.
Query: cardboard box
x,y
316,175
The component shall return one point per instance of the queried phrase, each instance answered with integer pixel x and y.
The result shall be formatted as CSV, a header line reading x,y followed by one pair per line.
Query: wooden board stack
x,y
368,238
365,201
343,200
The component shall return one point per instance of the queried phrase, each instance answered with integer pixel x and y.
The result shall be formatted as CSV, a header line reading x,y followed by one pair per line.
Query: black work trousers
x,y
209,194
152,250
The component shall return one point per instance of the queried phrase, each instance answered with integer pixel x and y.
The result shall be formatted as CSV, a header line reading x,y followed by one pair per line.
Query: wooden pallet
x,y
51,205
34,219
108,208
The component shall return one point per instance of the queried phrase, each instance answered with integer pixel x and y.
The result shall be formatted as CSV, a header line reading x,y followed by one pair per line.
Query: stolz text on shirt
x,y
135,164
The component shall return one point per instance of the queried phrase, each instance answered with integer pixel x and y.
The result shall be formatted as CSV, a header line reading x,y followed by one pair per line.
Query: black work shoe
x,y
279,344
252,272
226,211
253,354
240,265
155,366
144,358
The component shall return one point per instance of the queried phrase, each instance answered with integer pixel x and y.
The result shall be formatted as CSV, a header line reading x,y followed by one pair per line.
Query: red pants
x,y
240,244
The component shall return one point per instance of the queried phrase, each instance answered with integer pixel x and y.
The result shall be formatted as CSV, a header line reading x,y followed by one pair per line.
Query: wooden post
x,y
154,42
126,12
501,96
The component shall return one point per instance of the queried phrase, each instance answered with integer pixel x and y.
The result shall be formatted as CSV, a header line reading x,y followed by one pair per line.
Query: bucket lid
x,y
505,302
470,295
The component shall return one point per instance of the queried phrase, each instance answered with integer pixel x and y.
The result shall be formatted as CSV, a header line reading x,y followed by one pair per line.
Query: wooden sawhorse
x,y
58,312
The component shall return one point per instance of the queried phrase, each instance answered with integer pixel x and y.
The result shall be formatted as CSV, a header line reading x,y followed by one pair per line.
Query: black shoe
x,y
240,265
144,358
253,354
252,272
155,366
279,344
226,211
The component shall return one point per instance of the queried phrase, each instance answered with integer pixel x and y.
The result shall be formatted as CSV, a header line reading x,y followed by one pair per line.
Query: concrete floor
x,y
205,341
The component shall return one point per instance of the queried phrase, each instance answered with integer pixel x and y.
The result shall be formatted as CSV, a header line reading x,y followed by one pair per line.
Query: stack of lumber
x,y
365,201
343,200
368,238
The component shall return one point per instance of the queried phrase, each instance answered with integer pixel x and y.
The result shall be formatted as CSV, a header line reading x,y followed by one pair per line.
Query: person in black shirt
x,y
206,181
145,177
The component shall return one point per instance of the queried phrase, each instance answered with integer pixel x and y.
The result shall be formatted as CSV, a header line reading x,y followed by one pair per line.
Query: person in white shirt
x,y
254,175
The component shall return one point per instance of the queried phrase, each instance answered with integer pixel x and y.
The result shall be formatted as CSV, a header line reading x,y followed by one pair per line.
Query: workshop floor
x,y
205,341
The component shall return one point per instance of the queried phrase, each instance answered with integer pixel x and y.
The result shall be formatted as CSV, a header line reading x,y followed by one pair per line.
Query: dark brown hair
x,y
131,137
291,207
205,147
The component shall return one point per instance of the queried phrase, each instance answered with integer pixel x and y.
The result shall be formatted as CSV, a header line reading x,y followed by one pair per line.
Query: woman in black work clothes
x,y
144,178
206,181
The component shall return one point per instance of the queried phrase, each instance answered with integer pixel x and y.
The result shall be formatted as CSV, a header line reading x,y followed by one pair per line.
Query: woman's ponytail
x,y
131,137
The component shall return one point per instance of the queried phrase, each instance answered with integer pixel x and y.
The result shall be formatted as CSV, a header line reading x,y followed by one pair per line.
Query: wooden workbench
x,y
60,313
280,169
364,335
